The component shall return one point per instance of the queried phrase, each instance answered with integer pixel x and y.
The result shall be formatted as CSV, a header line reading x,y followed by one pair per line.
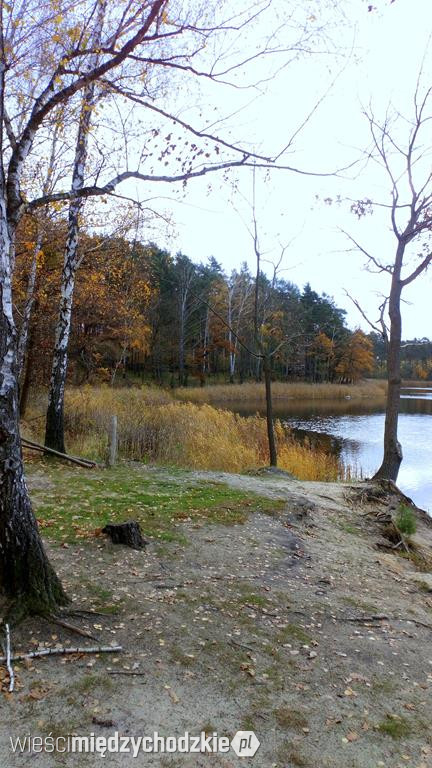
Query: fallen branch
x,y
71,627
381,617
83,612
375,617
43,449
9,660
61,652
126,672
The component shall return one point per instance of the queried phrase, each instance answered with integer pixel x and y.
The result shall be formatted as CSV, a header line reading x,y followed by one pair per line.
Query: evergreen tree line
x,y
140,311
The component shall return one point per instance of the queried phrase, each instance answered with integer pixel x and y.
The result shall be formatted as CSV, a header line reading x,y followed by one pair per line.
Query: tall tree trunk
x,y
54,430
231,341
391,462
269,411
26,575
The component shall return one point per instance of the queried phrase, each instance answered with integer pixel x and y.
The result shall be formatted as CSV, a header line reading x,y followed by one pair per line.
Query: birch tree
x,y
239,290
54,429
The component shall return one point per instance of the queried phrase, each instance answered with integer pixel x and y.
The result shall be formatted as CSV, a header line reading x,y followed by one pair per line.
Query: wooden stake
x,y
112,453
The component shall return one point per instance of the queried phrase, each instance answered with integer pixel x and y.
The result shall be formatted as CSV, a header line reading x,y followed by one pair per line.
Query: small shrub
x,y
405,520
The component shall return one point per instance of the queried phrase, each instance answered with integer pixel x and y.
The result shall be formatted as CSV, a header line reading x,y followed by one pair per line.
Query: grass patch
x,y
293,632
355,531
249,596
287,717
102,599
89,682
395,726
384,685
80,502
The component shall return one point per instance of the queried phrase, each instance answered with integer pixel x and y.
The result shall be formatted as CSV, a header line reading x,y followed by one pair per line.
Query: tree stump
x,y
128,533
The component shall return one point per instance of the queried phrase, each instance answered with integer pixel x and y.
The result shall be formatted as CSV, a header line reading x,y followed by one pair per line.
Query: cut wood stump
x,y
128,533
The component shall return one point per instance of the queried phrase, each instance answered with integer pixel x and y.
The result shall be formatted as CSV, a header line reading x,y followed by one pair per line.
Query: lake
x,y
353,430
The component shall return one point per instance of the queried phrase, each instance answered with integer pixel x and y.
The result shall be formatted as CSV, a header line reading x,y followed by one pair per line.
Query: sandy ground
x,y
268,626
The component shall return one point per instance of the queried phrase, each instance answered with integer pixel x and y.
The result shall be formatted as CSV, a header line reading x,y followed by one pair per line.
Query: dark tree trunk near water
x,y
392,459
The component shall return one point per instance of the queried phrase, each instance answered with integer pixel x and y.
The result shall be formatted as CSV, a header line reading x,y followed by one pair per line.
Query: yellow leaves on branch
x,y
357,357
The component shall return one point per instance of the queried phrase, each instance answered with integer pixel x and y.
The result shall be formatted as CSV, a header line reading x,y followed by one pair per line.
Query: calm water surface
x,y
353,430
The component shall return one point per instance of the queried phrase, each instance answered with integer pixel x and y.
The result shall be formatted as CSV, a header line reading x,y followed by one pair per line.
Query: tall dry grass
x,y
254,391
153,427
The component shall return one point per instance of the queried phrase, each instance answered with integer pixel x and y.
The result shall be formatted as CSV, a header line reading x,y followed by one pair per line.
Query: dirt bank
x,y
272,625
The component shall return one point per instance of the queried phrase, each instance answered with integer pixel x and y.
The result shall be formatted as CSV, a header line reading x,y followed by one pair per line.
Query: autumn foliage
x,y
139,311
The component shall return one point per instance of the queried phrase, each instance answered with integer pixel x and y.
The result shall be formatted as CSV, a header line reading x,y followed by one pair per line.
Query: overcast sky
x,y
388,47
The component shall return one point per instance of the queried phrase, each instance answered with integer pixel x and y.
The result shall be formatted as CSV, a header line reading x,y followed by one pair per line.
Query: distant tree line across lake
x,y
141,312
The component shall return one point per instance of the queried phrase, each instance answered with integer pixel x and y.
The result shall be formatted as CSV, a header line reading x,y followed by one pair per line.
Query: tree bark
x,y
25,382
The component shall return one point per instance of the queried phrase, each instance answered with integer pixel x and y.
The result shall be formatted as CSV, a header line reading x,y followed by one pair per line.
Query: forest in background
x,y
142,312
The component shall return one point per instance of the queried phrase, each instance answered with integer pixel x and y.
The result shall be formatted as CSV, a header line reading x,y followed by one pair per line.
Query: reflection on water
x,y
353,430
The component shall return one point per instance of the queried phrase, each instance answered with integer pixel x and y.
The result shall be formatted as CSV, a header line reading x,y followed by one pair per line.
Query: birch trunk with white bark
x,y
54,429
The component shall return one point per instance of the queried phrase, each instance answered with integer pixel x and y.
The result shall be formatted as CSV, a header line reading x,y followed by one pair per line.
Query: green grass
x,y
355,531
294,633
396,727
77,502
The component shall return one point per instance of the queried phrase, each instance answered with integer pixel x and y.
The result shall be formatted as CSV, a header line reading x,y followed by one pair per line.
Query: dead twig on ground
x,y
131,673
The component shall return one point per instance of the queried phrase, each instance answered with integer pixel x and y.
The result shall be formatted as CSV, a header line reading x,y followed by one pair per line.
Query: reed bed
x,y
254,391
153,427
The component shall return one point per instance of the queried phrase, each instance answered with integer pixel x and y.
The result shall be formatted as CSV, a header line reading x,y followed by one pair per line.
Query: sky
x,y
380,56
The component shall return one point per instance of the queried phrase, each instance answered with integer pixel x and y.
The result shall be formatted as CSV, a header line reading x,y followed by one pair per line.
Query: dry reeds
x,y
254,391
153,427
